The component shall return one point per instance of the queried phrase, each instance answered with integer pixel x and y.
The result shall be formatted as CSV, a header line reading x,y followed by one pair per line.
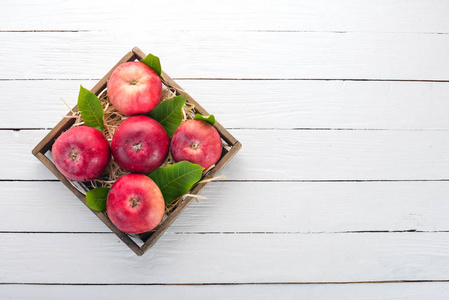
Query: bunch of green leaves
x,y
173,181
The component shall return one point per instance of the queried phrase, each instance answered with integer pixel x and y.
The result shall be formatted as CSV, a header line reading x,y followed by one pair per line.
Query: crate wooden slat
x,y
149,238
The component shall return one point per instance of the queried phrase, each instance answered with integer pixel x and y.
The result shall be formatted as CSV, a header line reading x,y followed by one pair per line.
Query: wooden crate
x,y
148,238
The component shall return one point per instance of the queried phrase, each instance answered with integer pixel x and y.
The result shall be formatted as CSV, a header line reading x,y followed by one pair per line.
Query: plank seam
x,y
244,232
246,79
272,180
44,30
276,129
235,283
243,30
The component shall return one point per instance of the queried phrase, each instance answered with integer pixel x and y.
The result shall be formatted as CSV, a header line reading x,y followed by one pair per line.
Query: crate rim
x,y
150,238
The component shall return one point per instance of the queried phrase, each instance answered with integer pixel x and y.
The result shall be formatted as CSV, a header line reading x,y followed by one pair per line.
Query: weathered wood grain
x,y
227,54
380,291
282,207
291,155
323,15
225,258
261,104
231,240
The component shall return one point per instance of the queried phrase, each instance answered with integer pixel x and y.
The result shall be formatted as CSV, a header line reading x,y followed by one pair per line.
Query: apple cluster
x,y
139,145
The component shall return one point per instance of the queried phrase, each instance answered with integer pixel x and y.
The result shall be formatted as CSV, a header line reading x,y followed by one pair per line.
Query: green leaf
x,y
169,113
91,110
209,119
177,179
96,198
153,62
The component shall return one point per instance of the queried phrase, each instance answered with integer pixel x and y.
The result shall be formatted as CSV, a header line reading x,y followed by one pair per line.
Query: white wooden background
x,y
339,192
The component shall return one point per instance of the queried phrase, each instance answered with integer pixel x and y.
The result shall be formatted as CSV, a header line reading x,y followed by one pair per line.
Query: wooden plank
x,y
266,104
339,155
402,291
225,258
270,155
321,15
318,207
85,55
45,206
288,207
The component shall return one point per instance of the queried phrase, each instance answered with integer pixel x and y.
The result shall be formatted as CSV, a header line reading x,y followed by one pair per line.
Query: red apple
x,y
81,153
135,204
140,144
197,142
134,88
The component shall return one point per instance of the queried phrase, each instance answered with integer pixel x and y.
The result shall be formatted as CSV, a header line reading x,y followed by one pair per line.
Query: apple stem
x,y
137,147
134,202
